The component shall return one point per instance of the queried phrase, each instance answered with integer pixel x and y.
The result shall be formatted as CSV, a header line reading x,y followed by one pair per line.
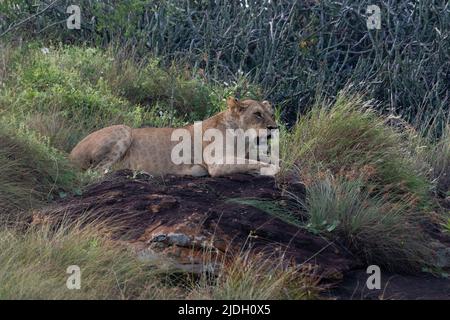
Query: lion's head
x,y
250,114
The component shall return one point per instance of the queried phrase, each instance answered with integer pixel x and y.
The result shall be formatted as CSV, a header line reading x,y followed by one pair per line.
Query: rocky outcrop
x,y
184,218
194,224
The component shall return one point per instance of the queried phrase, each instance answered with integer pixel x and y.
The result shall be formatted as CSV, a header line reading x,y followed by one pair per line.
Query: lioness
x,y
150,149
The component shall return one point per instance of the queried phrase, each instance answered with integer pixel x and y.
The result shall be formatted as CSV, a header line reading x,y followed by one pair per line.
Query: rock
x,y
179,239
176,239
163,202
159,238
189,226
161,261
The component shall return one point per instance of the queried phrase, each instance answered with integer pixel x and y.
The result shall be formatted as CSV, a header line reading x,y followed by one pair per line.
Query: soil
x,y
181,217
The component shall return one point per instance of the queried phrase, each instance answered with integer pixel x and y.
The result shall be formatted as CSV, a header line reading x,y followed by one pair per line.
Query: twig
x,y
28,18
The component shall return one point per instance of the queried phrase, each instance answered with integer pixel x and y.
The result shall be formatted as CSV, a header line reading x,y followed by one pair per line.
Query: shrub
x,y
293,49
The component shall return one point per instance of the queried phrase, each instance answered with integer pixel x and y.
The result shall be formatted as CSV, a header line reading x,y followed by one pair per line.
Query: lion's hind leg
x,y
103,148
113,149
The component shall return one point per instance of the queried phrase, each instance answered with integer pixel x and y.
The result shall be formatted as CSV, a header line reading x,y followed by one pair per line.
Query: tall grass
x,y
377,230
33,265
440,159
349,137
70,92
257,277
367,182
31,172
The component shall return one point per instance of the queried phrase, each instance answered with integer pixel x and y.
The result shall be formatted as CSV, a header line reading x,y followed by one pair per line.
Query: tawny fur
x,y
149,149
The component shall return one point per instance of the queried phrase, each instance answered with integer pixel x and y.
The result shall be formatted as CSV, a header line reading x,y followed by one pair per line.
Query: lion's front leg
x,y
251,166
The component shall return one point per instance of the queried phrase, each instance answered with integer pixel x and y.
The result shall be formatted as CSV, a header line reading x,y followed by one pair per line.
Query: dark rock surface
x,y
184,217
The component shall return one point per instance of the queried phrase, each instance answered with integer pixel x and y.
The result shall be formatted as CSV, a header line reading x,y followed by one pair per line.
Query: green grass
x,y
70,92
33,265
350,138
256,277
271,207
368,183
31,172
377,230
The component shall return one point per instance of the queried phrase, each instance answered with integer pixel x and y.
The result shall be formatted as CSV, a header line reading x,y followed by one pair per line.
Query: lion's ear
x,y
234,104
267,104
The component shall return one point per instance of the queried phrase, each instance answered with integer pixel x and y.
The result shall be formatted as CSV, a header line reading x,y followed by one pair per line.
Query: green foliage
x,y
31,172
379,231
33,265
69,92
350,138
293,49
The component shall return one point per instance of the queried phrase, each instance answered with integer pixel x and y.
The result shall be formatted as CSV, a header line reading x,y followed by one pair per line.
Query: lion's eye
x,y
258,114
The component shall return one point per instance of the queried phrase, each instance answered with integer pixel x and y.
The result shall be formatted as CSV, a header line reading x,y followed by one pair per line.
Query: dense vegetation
x,y
155,63
293,49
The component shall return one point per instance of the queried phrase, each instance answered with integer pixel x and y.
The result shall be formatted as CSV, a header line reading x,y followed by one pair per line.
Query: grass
x,y
66,92
379,231
33,266
255,277
440,160
271,207
69,92
350,138
31,172
368,182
